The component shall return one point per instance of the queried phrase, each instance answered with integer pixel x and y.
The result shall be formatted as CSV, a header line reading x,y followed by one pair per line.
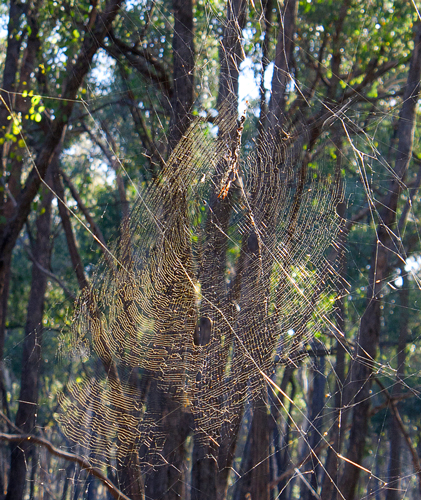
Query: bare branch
x,y
50,274
71,457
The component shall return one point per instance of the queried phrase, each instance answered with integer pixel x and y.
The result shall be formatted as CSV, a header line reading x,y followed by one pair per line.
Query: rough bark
x,y
395,439
31,356
369,334
283,64
206,482
314,435
183,70
256,464
7,99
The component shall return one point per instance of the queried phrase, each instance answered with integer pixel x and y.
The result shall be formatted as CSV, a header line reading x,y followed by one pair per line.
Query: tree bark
x,y
31,356
183,70
14,44
369,334
315,428
7,99
331,468
165,480
254,484
256,465
395,439
207,483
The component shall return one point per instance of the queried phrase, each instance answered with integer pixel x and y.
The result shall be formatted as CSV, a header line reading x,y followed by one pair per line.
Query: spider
x,y
231,174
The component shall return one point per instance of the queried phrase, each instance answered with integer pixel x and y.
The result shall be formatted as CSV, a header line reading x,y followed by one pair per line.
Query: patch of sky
x,y
4,19
412,267
249,81
101,171
100,73
132,4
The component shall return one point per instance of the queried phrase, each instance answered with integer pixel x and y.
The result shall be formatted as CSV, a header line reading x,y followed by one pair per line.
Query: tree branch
x,y
71,457
50,274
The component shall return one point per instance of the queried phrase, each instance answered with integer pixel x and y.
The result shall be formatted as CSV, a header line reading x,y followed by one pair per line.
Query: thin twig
x,y
51,275
71,457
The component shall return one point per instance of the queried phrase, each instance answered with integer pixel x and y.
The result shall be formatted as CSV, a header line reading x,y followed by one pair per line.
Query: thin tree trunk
x,y
267,11
254,485
183,70
395,439
283,453
331,468
314,435
7,93
31,356
257,479
5,279
14,44
67,226
207,483
166,480
369,334
283,63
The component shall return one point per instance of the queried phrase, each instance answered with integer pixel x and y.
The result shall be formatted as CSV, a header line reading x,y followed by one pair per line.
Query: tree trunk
x,y
314,435
256,466
331,468
183,70
395,439
7,94
207,483
14,44
254,483
67,225
165,480
283,64
31,356
369,334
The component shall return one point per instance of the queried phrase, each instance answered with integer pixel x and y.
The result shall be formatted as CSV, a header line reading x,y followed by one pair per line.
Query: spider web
x,y
211,334
159,308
